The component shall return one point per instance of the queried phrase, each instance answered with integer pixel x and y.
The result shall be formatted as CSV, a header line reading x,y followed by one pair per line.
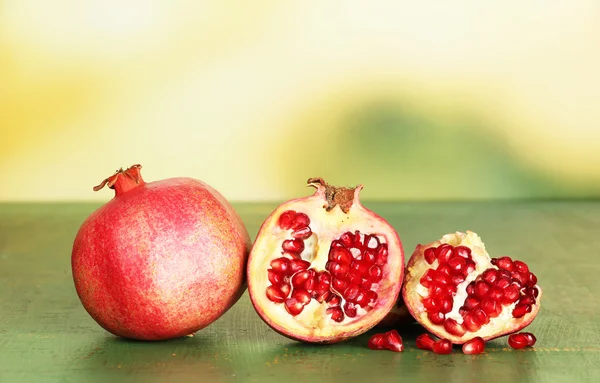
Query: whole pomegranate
x,y
457,292
323,268
161,259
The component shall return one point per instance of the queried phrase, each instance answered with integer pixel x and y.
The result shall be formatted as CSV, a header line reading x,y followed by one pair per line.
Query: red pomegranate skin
x,y
161,260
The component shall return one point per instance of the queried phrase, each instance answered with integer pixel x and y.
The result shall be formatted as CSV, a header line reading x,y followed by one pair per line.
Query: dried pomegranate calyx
x,y
123,180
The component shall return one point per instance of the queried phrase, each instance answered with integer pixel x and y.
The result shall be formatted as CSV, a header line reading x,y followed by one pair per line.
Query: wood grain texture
x,y
46,335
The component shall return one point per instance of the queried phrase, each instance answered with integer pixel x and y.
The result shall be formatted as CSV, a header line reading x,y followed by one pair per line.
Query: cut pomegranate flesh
x,y
457,292
323,268
390,340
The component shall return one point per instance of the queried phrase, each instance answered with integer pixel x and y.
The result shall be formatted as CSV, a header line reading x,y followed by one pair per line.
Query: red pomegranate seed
x,y
444,252
531,339
521,267
503,282
366,284
359,267
454,328
382,254
302,233
286,219
285,288
442,346
334,300
429,255
339,284
428,278
443,279
375,274
368,256
372,295
474,346
338,270
293,245
471,289
351,292
376,342
527,300
481,289
446,304
518,341
431,304
511,294
281,265
310,284
297,265
371,242
362,299
274,277
489,306
324,278
393,341
531,280
274,294
458,279
471,322
350,309
505,263
322,296
496,294
293,306
533,291
337,315
300,277
357,240
300,220
347,239
425,342
353,278
490,276
463,251
463,311
457,264
480,316
436,317
445,270
471,303
301,296
340,255
520,278
520,310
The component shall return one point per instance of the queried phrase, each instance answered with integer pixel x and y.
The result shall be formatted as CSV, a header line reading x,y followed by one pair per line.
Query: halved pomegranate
x,y
324,268
457,292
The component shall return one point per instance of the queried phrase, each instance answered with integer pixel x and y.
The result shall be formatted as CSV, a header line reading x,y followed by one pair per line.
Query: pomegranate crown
x,y
123,180
334,195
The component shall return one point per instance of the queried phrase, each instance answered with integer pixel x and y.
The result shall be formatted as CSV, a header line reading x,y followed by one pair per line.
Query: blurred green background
x,y
426,100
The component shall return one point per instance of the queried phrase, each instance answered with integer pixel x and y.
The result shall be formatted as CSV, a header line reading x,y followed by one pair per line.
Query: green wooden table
x,y
46,335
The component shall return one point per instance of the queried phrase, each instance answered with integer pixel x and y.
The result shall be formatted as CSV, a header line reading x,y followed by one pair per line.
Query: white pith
x,y
500,325
313,322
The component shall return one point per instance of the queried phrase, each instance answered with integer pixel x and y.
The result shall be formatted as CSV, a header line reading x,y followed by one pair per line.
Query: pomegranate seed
x,y
471,289
347,239
310,284
350,309
463,311
334,300
300,277
490,276
505,274
353,278
285,289
323,296
505,263
521,267
518,341
274,277
359,267
457,264
442,346
429,255
340,255
436,317
444,253
438,291
376,342
533,291
357,240
463,251
368,256
471,303
382,254
286,219
446,304
443,279
293,306
481,289
274,294
291,255
427,278
293,245
444,270
298,265
362,299
454,328
503,283
531,280
489,307
527,300
302,233
301,296
511,294
351,293
337,315
480,316
300,220
470,266
474,346
471,323
520,310
366,284
338,270
281,265
393,341
339,285
520,278
431,304
371,242
372,295
425,342
496,294
458,279
337,243
531,339
375,274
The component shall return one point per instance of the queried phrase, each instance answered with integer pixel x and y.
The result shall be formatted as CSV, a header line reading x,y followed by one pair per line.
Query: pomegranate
x,y
457,292
391,340
161,259
323,268
521,340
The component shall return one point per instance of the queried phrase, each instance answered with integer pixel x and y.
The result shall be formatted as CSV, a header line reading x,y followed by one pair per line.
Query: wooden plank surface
x,y
46,335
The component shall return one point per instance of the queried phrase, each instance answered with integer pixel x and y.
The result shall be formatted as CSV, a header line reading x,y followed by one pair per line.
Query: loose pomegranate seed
x,y
518,341
300,220
286,219
293,245
391,340
425,342
474,346
442,346
531,339
376,342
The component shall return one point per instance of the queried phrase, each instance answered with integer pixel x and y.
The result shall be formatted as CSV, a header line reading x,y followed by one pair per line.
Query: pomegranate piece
x,y
343,265
391,340
474,346
162,259
521,340
457,292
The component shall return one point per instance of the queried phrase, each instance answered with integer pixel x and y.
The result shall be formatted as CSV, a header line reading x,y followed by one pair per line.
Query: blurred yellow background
x,y
413,99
